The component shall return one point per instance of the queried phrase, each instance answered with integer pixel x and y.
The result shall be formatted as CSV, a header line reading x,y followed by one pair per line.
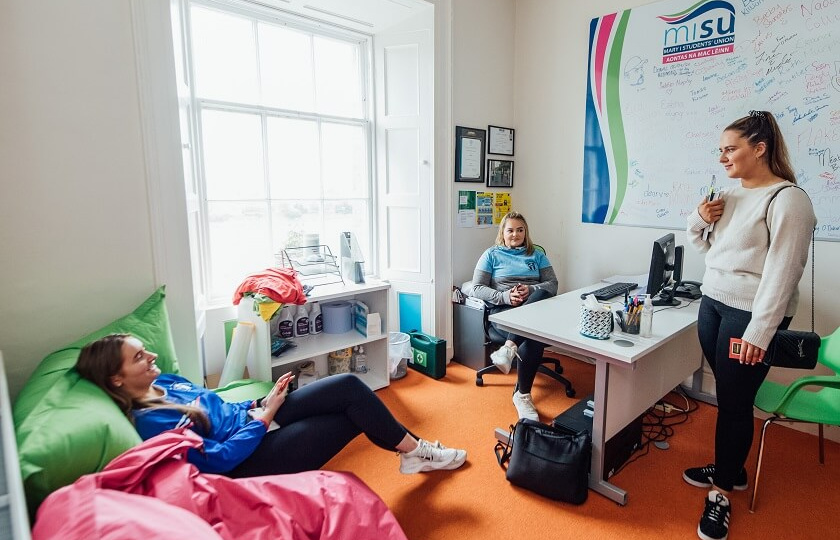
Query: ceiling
x,y
368,16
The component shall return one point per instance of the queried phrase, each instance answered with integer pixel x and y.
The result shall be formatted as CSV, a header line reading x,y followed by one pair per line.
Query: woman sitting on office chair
x,y
513,273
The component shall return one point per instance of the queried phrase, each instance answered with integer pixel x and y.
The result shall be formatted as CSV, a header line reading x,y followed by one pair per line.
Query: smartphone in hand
x,y
282,385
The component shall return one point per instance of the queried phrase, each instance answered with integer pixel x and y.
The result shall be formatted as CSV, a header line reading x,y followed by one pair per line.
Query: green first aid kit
x,y
428,354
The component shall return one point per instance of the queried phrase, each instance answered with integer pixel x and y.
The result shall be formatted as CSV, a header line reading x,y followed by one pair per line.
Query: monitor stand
x,y
666,297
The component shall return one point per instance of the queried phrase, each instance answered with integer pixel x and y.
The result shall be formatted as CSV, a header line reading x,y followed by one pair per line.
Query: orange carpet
x,y
798,497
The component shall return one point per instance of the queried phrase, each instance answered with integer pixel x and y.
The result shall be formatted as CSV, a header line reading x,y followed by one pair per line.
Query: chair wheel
x,y
570,392
479,381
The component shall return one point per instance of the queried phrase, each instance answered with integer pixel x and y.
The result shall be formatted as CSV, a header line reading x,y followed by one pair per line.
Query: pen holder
x,y
629,323
595,323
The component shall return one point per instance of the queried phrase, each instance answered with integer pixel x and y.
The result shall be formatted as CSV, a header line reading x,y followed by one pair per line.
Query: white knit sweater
x,y
742,270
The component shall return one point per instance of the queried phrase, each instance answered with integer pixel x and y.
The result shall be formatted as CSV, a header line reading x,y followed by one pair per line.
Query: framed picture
x,y
469,154
499,173
501,141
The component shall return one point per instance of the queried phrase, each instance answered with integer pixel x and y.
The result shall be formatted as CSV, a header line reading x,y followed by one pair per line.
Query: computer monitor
x,y
664,266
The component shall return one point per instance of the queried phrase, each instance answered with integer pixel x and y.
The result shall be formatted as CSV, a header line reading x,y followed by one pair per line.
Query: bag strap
x,y
503,451
813,242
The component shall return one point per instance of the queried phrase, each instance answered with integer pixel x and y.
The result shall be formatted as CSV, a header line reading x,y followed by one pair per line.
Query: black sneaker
x,y
702,477
714,523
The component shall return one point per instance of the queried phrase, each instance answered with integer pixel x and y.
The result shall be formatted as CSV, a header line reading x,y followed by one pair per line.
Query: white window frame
x,y
263,13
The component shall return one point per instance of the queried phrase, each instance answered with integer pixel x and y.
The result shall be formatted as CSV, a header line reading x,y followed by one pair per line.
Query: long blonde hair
x,y
100,360
500,236
761,126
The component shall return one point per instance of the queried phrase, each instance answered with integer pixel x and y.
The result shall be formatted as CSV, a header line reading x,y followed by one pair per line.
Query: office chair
x,y
787,403
493,339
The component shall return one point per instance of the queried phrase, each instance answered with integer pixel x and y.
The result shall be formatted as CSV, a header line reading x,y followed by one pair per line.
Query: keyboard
x,y
611,291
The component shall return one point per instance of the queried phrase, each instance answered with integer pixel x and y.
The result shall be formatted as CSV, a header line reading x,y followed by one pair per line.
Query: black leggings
x,y
530,351
316,422
736,385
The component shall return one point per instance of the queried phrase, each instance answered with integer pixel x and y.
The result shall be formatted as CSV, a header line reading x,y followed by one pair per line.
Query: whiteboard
x,y
663,81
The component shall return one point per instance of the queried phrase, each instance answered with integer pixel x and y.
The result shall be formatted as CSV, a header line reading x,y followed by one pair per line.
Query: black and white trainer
x,y
714,523
703,477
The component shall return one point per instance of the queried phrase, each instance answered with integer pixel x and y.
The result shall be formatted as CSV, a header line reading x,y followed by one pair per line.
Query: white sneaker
x,y
460,456
525,406
429,457
503,358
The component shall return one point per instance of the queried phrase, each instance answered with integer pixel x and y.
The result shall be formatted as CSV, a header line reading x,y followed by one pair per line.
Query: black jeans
x,y
530,351
736,385
316,422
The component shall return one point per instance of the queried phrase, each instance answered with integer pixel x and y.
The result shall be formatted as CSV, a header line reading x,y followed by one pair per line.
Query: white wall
x,y
74,216
76,236
75,240
551,45
483,93
550,85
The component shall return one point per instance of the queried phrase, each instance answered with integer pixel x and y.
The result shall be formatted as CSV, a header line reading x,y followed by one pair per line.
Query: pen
x,y
711,197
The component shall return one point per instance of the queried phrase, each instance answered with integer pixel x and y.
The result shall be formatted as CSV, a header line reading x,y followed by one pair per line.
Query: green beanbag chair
x,y
65,425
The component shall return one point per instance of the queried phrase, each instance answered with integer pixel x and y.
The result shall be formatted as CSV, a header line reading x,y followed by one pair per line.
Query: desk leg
x,y
599,428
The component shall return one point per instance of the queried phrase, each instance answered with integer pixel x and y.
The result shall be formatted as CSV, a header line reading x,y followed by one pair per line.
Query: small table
x,y
628,380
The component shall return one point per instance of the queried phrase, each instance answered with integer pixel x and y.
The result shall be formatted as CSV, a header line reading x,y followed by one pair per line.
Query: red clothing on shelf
x,y
279,284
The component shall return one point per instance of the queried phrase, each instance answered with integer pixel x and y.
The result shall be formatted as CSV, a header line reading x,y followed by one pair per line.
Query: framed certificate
x,y
500,140
469,154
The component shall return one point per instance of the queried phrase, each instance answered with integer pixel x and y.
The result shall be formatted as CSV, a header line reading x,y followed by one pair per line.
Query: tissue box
x,y
374,325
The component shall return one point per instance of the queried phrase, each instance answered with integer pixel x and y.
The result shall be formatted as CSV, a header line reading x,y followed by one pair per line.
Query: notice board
x,y
663,81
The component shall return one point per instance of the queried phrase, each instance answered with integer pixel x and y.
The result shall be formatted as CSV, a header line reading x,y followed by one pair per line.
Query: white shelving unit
x,y
316,347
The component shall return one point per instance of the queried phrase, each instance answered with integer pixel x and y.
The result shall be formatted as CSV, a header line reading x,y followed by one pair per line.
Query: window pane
x,y
232,149
286,68
337,79
293,164
239,244
344,161
224,56
292,219
347,215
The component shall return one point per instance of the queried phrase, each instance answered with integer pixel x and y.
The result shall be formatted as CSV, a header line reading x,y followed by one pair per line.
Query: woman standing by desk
x,y
514,273
755,256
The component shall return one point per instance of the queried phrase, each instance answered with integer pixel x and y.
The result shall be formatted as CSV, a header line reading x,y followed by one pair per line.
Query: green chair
x,y
787,403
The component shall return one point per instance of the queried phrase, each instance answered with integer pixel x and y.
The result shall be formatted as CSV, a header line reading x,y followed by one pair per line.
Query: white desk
x,y
628,380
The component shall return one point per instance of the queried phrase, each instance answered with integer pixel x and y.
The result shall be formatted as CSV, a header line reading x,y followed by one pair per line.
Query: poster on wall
x,y
501,206
666,78
484,209
466,208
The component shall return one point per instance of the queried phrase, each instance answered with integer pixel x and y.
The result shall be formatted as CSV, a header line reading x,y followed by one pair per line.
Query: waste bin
x,y
399,351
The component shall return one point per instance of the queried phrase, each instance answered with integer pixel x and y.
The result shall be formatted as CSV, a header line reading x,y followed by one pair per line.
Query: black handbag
x,y
794,348
546,460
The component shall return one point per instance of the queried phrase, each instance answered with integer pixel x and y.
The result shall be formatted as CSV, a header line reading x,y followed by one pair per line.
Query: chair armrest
x,y
821,381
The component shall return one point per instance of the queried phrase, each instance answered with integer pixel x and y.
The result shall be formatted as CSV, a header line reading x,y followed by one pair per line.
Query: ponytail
x,y
761,126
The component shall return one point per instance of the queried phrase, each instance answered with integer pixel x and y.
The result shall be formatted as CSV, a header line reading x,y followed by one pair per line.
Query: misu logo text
x,y
705,29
